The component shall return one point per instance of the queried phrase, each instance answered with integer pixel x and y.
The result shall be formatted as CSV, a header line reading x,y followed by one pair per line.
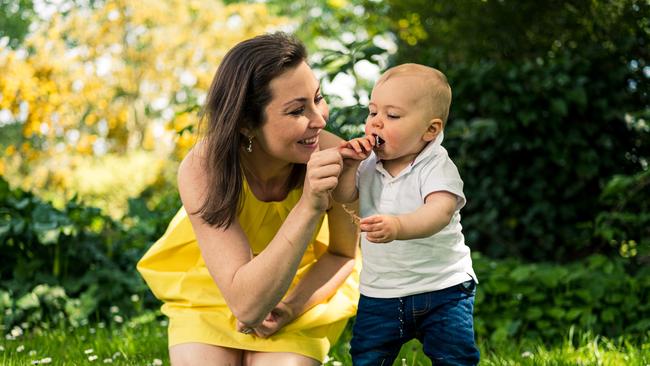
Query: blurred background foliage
x,y
549,128
111,82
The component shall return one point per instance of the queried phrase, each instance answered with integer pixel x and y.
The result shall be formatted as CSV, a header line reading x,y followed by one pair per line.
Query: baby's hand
x,y
357,149
380,228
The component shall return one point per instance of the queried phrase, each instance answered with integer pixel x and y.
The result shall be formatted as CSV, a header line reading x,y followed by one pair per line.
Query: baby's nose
x,y
376,122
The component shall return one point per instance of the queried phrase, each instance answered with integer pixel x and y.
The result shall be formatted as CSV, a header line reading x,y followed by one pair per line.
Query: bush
x,y
624,222
543,300
76,262
547,111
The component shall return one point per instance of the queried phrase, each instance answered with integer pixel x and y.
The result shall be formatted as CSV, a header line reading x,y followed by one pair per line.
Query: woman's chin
x,y
310,148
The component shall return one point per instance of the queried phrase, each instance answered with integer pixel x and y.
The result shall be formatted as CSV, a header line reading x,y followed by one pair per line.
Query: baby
x,y
417,279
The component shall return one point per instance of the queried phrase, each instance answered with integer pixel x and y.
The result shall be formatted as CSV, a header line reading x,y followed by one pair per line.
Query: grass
x,y
143,341
140,341
583,349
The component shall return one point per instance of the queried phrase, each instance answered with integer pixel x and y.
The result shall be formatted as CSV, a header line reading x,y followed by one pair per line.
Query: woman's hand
x,y
280,316
277,318
321,178
243,328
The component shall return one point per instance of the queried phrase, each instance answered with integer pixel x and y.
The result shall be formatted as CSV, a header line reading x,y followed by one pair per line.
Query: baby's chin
x,y
382,155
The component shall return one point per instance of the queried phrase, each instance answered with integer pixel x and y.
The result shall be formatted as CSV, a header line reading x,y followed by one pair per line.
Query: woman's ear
x,y
435,126
245,131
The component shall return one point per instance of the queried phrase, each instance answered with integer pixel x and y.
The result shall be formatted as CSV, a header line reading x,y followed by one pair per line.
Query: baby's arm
x,y
353,152
433,216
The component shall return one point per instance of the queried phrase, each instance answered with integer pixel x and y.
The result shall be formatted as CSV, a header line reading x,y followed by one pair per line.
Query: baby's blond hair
x,y
437,89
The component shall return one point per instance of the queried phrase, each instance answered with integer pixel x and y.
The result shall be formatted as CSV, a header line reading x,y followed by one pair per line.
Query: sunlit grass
x,y
105,182
143,341
582,350
140,341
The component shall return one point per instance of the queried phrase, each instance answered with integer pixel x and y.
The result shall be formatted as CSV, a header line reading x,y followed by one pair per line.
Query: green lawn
x,y
142,341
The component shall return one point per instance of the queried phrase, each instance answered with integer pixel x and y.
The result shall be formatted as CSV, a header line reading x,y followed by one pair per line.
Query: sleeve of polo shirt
x,y
442,175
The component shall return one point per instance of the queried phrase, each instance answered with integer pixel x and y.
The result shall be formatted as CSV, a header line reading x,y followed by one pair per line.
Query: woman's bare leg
x,y
190,354
277,358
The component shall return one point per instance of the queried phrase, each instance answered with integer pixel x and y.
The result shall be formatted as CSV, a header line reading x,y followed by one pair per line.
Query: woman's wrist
x,y
308,207
290,308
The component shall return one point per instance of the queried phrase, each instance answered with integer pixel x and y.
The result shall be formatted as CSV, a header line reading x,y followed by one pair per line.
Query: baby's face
x,y
398,117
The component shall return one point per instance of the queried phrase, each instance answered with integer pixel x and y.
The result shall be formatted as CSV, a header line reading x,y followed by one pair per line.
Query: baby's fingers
x,y
377,237
357,146
348,153
368,228
367,144
374,219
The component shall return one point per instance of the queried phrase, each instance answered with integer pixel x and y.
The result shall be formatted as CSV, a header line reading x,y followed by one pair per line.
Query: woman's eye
x,y
393,116
297,112
318,99
372,114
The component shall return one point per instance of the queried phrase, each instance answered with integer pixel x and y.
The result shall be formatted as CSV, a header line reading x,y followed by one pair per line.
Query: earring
x,y
249,147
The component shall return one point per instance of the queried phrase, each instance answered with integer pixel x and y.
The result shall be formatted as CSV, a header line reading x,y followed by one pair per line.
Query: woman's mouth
x,y
309,141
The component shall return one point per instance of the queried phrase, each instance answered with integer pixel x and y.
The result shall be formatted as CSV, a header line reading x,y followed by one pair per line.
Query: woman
x,y
250,271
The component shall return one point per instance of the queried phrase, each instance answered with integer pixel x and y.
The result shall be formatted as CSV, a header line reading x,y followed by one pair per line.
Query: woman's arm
x,y
328,140
324,278
352,152
332,268
253,286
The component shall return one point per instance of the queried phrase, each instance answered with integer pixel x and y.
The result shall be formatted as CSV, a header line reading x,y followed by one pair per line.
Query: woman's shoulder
x,y
193,162
192,178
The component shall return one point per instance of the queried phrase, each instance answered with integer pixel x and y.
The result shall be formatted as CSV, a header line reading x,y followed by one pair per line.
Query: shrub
x,y
75,262
543,300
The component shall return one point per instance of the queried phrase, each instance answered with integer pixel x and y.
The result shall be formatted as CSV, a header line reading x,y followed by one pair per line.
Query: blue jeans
x,y
441,320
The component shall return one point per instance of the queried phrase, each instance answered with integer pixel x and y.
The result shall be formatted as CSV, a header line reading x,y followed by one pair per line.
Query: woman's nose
x,y
318,120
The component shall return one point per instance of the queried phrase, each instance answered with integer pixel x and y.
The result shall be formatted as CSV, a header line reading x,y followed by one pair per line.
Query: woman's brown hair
x,y
237,98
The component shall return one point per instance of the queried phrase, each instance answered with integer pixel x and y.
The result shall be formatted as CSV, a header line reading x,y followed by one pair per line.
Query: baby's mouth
x,y
379,142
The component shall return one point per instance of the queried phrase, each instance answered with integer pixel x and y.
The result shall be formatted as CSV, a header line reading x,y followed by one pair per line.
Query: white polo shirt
x,y
406,267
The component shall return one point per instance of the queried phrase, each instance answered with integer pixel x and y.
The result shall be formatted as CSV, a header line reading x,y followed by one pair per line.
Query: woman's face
x,y
294,118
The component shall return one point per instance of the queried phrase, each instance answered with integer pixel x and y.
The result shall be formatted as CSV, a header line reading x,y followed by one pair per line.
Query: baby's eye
x,y
372,114
393,116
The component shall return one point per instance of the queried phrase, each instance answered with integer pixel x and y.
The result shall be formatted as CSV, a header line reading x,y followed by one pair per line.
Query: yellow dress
x,y
176,273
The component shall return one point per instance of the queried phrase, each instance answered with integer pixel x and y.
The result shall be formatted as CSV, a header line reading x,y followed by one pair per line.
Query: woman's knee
x,y
278,358
188,354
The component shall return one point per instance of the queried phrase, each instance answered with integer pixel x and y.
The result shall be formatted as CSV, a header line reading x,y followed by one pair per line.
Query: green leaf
x,y
500,287
22,204
521,273
534,313
608,315
47,233
551,276
5,227
556,313
28,301
573,314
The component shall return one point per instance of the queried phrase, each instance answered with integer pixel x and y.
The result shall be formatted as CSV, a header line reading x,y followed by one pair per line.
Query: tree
x,y
113,78
15,17
550,102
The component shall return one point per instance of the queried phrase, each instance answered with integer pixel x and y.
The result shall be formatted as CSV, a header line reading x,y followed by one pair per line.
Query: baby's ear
x,y
435,126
